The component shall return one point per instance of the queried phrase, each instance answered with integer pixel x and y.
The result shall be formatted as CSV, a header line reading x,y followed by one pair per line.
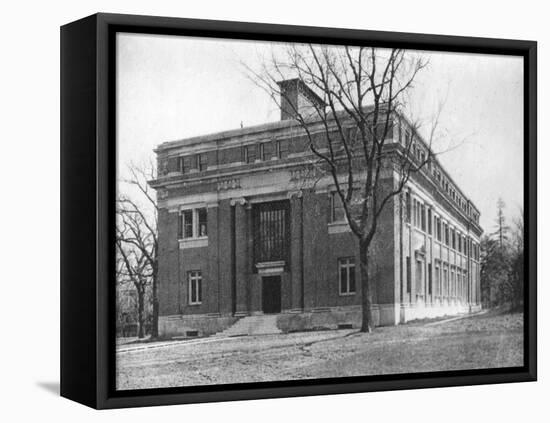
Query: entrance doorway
x,y
271,294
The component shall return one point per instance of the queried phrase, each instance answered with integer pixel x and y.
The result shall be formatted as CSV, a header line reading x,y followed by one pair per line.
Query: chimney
x,y
297,96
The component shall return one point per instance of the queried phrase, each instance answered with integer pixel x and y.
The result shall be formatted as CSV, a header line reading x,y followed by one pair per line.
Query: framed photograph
x,y
255,211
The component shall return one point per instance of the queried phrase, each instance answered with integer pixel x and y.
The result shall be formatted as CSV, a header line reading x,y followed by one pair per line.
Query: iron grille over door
x,y
271,229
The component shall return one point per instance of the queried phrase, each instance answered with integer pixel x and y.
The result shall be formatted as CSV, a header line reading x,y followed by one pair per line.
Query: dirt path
x,y
477,342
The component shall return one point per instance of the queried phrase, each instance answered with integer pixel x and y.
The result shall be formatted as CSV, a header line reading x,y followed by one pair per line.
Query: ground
x,y
484,341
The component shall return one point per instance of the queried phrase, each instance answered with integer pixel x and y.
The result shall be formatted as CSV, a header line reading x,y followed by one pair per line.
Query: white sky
x,y
173,87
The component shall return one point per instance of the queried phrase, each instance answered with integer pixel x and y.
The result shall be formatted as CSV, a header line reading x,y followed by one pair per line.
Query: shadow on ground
x,y
51,387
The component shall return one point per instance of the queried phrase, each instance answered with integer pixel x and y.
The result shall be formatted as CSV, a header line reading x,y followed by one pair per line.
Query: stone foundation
x,y
191,326
421,310
328,318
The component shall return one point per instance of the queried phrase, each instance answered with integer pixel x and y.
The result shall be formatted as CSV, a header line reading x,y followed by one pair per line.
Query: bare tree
x,y
137,238
363,92
135,270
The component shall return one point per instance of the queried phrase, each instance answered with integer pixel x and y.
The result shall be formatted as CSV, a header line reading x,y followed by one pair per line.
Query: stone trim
x,y
186,243
338,227
270,267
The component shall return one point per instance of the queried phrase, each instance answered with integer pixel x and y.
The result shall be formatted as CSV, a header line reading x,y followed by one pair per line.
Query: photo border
x,y
103,393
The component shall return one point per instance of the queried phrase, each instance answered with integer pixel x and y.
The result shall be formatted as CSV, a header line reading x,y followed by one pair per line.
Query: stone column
x,y
241,257
296,251
212,286
225,258
250,263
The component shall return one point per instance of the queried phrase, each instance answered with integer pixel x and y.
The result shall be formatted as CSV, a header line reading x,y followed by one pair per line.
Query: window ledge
x,y
193,242
347,294
338,227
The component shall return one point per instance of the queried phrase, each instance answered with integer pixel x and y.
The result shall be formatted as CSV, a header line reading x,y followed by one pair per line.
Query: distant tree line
x,y
502,262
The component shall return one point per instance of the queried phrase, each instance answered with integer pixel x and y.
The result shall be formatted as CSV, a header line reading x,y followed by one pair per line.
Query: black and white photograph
x,y
290,211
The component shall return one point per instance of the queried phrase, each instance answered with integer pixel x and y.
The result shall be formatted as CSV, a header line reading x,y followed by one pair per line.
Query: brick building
x,y
247,228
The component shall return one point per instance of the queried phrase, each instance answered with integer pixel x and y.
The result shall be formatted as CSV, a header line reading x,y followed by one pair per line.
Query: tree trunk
x,y
155,319
141,294
366,322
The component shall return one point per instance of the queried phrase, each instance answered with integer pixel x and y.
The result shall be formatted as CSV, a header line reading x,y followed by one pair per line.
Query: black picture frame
x,y
87,209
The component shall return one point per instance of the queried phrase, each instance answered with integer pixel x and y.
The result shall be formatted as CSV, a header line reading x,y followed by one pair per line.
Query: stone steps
x,y
253,325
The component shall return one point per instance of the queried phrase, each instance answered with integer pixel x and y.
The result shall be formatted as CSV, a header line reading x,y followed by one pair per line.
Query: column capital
x,y
294,194
240,200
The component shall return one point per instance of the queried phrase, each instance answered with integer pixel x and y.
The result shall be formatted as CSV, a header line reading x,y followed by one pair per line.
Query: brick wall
x,y
230,283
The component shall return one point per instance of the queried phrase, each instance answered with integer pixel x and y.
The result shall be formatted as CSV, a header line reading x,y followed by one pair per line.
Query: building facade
x,y
247,226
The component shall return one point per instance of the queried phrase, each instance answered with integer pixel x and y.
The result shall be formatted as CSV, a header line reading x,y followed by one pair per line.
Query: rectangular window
x,y
202,222
453,239
346,271
249,153
465,281
415,212
445,282
202,162
338,213
419,279
423,217
430,219
429,279
187,216
460,284
181,164
281,149
262,152
194,223
408,207
408,275
437,281
271,231
189,163
453,282
194,279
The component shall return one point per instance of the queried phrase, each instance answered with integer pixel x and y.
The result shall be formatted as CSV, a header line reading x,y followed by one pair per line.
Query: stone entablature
x,y
297,157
